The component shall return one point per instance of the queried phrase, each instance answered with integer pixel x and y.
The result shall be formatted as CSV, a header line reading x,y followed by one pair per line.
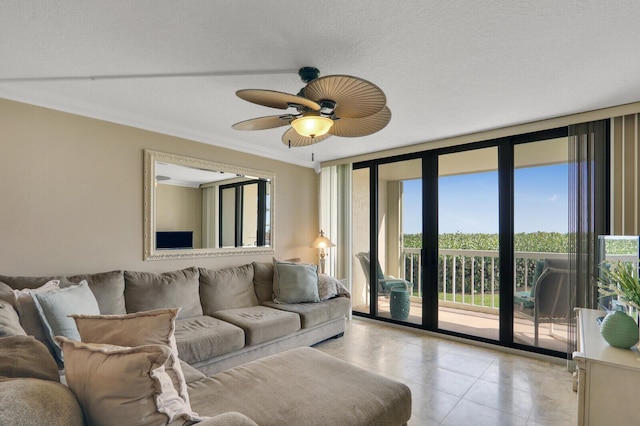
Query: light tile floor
x,y
454,383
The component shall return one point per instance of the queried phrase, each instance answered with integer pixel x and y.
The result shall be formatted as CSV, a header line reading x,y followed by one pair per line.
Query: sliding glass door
x,y
470,241
468,244
399,217
542,308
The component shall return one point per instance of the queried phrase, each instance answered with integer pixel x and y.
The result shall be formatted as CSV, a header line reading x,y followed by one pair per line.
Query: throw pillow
x,y
295,282
6,294
227,288
263,279
28,312
9,321
55,306
142,328
327,286
145,291
118,385
25,357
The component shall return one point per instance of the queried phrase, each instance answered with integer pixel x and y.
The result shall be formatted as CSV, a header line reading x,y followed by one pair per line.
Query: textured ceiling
x,y
447,67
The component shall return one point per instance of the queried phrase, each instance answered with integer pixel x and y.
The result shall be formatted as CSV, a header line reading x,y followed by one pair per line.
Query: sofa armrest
x,y
231,418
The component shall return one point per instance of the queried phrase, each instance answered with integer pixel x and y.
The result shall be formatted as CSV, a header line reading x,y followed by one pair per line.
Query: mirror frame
x,y
150,252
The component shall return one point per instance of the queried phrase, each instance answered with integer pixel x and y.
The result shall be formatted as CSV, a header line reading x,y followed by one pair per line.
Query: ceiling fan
x,y
339,105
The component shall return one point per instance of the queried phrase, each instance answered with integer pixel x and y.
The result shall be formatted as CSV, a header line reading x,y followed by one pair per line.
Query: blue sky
x,y
469,203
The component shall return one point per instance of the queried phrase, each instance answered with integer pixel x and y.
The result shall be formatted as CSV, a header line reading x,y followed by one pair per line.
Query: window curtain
x,y
588,213
335,217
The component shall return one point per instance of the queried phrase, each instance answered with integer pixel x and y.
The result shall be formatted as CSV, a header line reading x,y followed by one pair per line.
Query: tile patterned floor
x,y
453,383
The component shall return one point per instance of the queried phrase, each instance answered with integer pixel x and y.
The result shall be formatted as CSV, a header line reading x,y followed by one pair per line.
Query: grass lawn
x,y
475,300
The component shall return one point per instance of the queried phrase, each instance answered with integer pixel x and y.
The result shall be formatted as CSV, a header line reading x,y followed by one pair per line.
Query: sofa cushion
x,y
228,419
191,374
19,282
227,288
304,387
312,314
261,323
204,337
25,357
28,312
263,281
145,291
9,321
155,327
38,402
295,282
55,306
118,385
108,288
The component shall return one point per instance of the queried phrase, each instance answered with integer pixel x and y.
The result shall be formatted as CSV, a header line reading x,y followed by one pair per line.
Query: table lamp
x,y
322,242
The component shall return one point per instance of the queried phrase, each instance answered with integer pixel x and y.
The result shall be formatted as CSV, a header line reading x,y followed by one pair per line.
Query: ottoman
x,y
303,387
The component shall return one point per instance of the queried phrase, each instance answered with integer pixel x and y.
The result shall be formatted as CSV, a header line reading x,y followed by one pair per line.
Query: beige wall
x,y
179,208
71,190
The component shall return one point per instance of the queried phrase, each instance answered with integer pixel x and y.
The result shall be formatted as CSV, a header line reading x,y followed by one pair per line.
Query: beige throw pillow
x,y
26,307
142,328
25,357
327,287
9,321
118,385
6,294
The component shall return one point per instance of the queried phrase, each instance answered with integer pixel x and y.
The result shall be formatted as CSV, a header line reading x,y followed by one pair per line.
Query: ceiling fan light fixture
x,y
312,126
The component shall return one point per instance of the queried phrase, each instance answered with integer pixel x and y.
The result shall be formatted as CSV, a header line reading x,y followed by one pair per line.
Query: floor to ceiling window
x,y
457,239
399,214
541,262
468,246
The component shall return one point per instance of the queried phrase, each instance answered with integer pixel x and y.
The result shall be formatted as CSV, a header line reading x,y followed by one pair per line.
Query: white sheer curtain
x,y
335,218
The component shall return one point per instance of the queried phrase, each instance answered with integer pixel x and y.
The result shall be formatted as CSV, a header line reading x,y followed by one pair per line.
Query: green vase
x,y
619,330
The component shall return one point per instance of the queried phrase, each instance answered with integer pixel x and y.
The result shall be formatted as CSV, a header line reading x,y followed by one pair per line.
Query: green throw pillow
x,y
295,282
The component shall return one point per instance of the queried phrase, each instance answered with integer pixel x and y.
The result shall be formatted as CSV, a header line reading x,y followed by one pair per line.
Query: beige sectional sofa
x,y
227,316
236,345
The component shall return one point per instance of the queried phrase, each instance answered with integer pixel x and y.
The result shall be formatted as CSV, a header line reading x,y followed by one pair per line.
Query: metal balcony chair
x,y
385,282
549,298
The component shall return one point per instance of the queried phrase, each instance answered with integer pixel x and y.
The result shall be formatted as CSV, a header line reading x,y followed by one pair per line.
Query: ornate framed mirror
x,y
200,208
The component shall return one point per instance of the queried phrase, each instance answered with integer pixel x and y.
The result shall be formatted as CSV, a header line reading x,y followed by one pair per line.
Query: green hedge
x,y
543,242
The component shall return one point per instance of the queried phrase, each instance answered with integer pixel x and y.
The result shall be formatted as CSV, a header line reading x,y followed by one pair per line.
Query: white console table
x,y
608,377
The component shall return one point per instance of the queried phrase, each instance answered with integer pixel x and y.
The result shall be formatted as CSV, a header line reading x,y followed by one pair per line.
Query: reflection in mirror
x,y
199,208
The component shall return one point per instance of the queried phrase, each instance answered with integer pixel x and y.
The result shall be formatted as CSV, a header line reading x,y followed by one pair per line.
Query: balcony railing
x,y
470,277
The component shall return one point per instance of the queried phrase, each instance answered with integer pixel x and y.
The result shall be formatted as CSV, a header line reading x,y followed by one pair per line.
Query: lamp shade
x,y
322,242
312,125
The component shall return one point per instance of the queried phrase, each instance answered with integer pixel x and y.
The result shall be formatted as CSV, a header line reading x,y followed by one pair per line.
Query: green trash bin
x,y
399,303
